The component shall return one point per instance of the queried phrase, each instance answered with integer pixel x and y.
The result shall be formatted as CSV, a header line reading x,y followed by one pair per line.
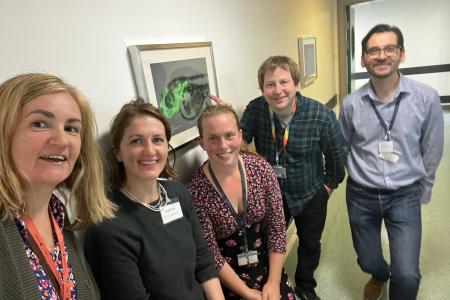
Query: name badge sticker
x,y
171,212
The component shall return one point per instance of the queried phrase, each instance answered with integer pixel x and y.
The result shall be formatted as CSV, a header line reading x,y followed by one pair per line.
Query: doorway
x,y
346,44
427,43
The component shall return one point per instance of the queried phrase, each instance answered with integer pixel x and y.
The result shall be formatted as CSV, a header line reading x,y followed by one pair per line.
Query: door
x,y
350,48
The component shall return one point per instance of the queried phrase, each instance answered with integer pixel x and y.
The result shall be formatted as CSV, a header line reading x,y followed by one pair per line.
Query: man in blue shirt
x,y
301,139
395,130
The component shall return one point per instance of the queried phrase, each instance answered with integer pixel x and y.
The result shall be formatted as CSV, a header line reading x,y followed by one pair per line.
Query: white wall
x,y
85,42
425,27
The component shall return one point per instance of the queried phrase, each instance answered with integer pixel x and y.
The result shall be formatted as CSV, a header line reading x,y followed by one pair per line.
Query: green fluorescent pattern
x,y
172,96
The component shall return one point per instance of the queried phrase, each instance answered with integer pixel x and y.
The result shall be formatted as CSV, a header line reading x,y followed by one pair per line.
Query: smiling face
x,y
143,149
46,143
279,91
382,66
221,139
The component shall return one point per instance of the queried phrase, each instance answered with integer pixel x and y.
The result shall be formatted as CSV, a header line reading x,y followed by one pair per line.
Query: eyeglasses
x,y
389,50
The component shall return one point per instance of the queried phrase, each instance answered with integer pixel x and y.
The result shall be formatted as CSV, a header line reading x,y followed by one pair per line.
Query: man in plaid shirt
x,y
301,139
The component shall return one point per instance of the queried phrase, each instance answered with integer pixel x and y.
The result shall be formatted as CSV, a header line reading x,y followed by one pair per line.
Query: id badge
x,y
252,257
386,147
171,212
246,258
279,171
242,259
391,157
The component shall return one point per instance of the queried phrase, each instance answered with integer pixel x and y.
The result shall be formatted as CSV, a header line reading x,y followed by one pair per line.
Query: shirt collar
x,y
368,92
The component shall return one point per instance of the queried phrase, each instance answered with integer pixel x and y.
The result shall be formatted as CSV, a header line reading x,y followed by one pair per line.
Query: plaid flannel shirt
x,y
313,155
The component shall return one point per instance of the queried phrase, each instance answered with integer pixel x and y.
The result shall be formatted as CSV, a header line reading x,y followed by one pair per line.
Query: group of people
x,y
223,235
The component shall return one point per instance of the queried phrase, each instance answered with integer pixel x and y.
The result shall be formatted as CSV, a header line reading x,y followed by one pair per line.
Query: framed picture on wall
x,y
307,55
176,78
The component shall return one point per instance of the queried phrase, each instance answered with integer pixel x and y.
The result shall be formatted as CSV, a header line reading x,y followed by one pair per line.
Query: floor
x,y
339,276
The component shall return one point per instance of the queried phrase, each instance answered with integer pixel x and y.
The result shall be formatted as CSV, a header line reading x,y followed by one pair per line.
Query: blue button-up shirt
x,y
417,135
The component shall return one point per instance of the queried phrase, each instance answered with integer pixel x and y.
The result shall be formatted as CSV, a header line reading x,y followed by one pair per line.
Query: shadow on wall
x,y
189,158
103,146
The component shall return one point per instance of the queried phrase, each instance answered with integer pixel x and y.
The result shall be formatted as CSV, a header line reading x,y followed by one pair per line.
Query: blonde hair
x,y
214,110
274,62
83,190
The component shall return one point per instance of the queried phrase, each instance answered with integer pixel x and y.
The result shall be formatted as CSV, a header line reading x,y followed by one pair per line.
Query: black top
x,y
136,256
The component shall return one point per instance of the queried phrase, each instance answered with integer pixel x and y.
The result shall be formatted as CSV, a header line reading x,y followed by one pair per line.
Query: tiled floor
x,y
339,276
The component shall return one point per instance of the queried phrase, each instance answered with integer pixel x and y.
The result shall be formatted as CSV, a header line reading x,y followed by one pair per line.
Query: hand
x,y
252,294
328,189
219,101
271,291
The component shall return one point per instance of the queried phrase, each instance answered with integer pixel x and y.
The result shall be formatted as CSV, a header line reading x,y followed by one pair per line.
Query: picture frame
x,y
176,78
307,54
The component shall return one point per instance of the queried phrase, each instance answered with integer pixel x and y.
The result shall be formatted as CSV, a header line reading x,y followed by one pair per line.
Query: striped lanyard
x,y
285,138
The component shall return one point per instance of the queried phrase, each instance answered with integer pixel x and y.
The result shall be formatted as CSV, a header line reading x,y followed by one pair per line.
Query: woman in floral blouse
x,y
239,204
48,156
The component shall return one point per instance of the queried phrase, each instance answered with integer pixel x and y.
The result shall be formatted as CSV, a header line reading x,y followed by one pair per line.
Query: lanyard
x,y
380,118
285,138
65,285
240,219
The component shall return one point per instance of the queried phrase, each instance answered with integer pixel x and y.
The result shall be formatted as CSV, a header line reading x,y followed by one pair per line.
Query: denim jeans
x,y
401,212
310,224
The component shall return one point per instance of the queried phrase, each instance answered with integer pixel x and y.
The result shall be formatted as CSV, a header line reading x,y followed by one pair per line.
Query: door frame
x,y
343,45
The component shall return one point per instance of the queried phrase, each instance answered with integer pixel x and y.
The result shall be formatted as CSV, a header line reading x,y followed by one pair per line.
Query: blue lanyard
x,y
387,129
240,219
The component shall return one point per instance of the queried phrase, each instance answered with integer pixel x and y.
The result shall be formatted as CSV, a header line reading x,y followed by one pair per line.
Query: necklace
x,y
160,203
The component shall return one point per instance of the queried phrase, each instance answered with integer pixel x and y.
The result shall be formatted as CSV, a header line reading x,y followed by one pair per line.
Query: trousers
x,y
310,224
401,212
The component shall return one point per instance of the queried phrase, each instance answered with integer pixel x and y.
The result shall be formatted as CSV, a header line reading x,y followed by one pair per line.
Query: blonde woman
x,y
48,159
238,202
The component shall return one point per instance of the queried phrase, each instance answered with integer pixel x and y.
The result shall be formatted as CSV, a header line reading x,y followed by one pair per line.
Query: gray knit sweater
x,y
17,280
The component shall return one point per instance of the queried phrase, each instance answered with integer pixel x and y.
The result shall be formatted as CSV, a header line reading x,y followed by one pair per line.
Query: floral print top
x,y
264,204
46,287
